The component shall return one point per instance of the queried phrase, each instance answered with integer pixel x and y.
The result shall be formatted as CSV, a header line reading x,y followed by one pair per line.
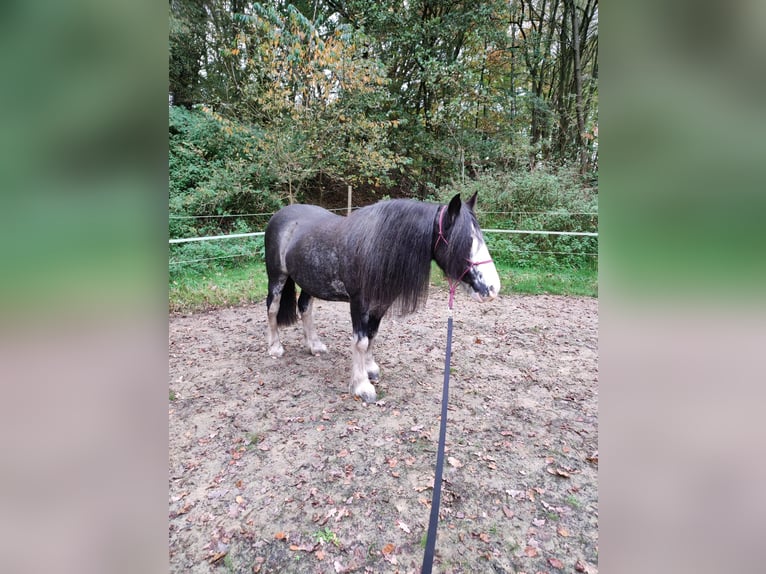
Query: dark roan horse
x,y
378,258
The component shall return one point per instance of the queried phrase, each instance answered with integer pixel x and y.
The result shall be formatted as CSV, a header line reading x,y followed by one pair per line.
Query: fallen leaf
x,y
239,499
280,536
484,537
586,567
304,547
530,551
454,462
556,563
562,472
508,512
563,531
179,497
216,557
388,549
319,554
403,526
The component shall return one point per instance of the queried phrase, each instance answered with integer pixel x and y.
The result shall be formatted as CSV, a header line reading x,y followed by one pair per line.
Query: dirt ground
x,y
274,467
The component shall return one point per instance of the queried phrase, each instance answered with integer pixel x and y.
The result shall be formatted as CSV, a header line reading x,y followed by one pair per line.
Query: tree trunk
x,y
578,86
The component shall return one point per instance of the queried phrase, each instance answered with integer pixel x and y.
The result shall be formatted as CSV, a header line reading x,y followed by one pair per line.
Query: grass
x,y
190,291
193,291
325,535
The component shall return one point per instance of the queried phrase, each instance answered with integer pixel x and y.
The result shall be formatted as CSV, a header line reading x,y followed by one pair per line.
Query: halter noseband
x,y
471,264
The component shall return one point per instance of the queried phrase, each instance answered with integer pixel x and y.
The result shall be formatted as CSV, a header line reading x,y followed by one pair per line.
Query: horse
x,y
378,258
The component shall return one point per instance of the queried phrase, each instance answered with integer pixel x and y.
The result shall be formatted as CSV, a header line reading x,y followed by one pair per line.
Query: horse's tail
x,y
288,306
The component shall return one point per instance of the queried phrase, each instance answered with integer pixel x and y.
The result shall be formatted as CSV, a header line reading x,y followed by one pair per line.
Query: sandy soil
x,y
275,468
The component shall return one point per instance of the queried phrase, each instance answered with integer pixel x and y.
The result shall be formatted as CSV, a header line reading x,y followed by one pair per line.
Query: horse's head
x,y
461,252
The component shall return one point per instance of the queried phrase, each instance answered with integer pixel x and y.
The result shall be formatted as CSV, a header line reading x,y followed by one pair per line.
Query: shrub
x,y
543,200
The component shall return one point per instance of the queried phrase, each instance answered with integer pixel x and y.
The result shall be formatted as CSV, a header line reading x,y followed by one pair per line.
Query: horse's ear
x,y
471,203
454,207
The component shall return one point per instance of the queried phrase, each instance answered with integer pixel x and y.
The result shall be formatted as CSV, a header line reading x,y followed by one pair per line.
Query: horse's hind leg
x,y
305,306
273,300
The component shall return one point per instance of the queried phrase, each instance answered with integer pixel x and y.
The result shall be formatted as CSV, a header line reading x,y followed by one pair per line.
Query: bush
x,y
542,200
201,257
213,171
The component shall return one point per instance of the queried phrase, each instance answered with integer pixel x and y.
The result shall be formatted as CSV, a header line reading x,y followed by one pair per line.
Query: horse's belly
x,y
320,284
333,290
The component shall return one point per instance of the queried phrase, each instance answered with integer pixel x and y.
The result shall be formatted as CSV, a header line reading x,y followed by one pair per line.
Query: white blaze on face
x,y
485,271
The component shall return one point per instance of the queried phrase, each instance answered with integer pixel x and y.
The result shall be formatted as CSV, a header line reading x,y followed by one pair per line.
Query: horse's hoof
x,y
318,348
277,352
367,393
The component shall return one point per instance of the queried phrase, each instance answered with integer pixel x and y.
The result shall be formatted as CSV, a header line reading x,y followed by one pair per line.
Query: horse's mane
x,y
392,244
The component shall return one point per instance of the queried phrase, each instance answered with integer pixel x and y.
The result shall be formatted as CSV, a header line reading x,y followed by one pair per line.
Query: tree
x,y
314,81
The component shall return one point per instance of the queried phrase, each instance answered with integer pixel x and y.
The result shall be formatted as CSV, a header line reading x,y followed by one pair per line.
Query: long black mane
x,y
392,243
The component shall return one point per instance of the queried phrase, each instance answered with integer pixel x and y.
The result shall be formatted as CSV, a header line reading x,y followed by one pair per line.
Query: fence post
x,y
349,201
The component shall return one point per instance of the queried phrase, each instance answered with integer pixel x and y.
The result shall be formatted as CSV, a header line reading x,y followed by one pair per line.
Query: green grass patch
x,y
560,281
196,291
325,535
543,280
191,290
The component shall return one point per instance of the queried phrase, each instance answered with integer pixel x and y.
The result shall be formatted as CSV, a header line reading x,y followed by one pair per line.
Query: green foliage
x,y
537,200
214,171
325,535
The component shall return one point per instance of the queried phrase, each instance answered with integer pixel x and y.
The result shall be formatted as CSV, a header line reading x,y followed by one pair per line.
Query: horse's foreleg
x,y
272,334
305,305
363,366
372,368
360,382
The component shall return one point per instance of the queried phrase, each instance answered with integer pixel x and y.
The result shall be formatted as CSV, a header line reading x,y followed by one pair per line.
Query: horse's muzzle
x,y
483,285
485,295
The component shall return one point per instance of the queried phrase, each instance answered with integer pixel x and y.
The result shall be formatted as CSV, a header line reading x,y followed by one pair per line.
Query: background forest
x,y
272,103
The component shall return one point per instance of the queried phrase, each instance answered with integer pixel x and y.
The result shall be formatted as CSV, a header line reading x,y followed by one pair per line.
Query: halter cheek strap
x,y
471,264
441,234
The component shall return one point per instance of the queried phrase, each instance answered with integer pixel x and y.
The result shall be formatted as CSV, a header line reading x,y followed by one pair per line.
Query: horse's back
x,y
292,229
